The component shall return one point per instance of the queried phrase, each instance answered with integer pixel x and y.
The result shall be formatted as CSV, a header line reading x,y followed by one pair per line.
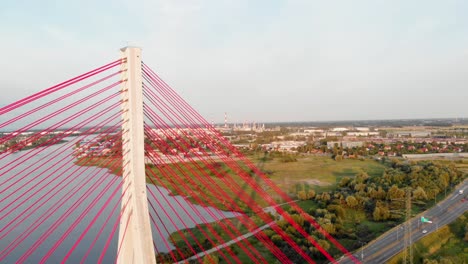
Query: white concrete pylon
x,y
135,236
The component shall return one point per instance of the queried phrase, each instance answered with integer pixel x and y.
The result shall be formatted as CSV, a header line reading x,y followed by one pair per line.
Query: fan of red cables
x,y
61,190
58,199
190,157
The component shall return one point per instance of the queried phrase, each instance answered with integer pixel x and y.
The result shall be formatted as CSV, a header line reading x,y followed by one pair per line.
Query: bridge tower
x,y
135,237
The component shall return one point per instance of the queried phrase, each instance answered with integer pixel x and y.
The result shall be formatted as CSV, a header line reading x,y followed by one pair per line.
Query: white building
x,y
339,129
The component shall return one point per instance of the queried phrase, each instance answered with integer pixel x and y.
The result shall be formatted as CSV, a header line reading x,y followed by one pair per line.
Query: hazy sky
x,y
257,60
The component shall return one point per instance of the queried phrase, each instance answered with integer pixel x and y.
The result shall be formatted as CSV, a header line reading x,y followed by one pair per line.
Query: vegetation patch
x,y
320,172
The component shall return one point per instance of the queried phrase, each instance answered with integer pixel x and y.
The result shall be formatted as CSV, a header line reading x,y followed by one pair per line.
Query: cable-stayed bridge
x,y
105,166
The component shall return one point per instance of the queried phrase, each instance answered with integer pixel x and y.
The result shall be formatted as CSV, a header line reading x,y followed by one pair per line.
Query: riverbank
x,y
202,183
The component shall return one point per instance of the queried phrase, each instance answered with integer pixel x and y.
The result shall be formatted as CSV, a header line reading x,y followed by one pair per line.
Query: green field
x,y
319,172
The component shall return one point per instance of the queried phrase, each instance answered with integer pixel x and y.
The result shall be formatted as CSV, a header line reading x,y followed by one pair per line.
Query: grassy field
x,y
320,172
217,184
444,246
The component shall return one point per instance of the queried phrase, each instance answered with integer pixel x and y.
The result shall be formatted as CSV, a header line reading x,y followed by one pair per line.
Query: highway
x,y
392,242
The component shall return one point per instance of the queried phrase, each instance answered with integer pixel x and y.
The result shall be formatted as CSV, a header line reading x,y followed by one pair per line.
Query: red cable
x,y
88,227
19,117
58,87
192,171
195,174
293,244
31,212
93,243
179,111
72,192
62,110
28,191
36,201
68,119
283,234
201,179
69,211
166,243
189,215
195,163
58,153
173,223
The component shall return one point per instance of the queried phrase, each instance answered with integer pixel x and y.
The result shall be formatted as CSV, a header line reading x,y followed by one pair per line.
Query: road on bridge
x,y
392,242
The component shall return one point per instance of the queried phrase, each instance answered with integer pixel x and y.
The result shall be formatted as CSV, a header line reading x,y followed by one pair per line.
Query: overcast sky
x,y
257,60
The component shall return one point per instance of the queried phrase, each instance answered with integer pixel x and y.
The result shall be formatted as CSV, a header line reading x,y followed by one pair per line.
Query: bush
x,y
288,158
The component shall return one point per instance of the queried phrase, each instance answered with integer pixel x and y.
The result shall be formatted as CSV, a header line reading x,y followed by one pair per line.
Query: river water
x,y
28,209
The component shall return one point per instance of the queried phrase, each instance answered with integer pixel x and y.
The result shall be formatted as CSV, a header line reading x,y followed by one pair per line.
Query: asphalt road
x,y
392,242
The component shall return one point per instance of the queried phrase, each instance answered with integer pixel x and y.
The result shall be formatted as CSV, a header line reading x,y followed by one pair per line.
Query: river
x,y
34,187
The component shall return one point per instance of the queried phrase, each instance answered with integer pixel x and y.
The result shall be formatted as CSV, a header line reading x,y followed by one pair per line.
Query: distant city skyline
x,y
262,61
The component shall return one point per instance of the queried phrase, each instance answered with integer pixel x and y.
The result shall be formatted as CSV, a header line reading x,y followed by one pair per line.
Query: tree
x,y
282,224
337,209
375,194
360,187
344,181
310,194
302,195
419,194
381,212
351,201
362,176
298,219
380,193
210,259
277,239
326,196
291,231
376,214
395,193
324,244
